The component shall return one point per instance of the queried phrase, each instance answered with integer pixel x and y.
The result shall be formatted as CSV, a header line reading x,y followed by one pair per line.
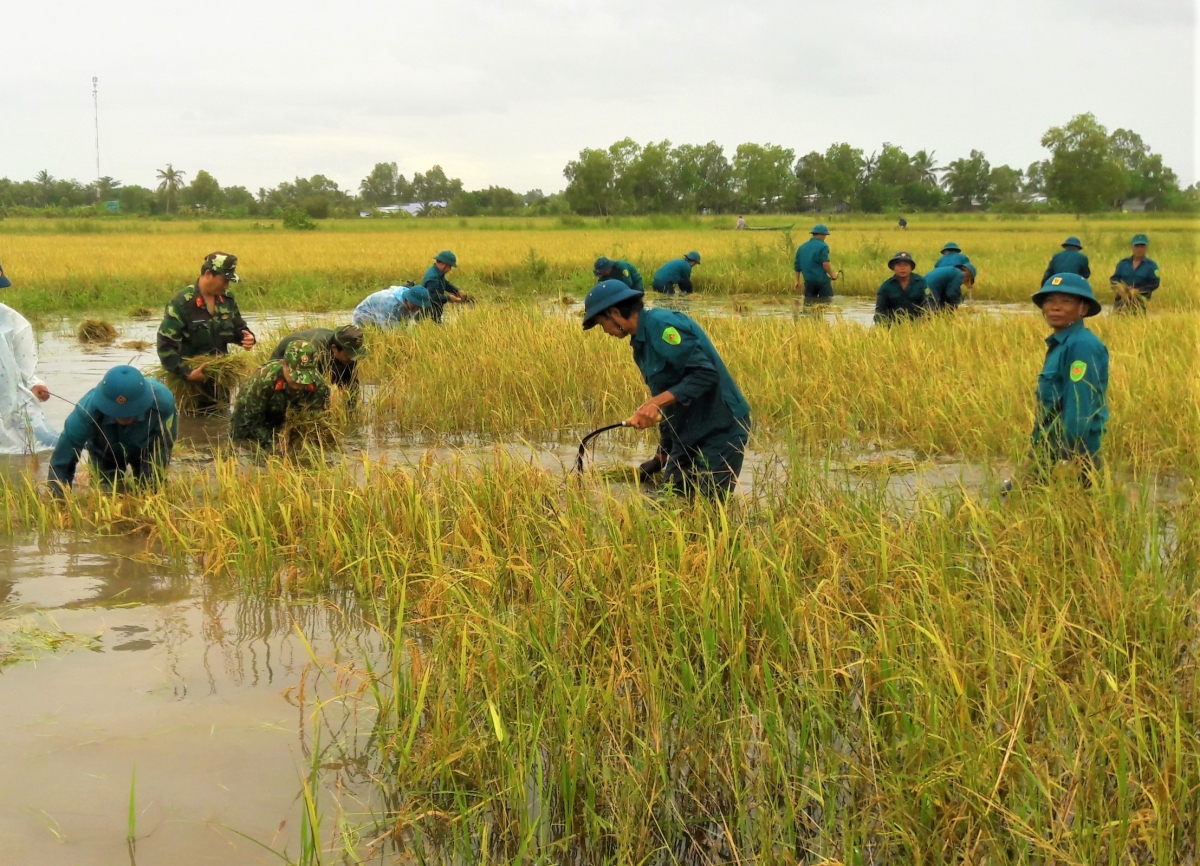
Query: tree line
x,y
1088,170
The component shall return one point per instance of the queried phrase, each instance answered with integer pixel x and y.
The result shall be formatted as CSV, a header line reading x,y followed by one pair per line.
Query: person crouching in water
x,y
1072,388
704,419
295,382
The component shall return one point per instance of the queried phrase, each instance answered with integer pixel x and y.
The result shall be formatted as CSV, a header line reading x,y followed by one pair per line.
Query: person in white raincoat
x,y
23,427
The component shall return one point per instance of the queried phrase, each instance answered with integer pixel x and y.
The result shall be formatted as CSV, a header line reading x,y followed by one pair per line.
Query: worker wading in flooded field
x,y
204,319
338,353
677,272
441,290
618,269
952,256
1070,260
947,284
264,400
703,418
905,294
1135,279
813,272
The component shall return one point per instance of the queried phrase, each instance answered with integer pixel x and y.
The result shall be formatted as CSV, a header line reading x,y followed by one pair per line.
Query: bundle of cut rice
x,y
96,331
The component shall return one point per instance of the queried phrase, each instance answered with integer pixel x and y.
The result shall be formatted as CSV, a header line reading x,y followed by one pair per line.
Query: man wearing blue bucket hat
x,y
126,423
441,290
1135,278
392,306
677,272
905,294
952,256
1072,389
947,283
703,418
618,269
812,267
1070,260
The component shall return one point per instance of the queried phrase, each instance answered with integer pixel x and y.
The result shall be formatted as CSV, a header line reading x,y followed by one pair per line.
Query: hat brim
x,y
130,408
893,262
1093,305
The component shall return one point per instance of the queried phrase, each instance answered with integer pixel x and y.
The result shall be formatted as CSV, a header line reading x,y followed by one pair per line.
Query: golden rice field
x,y
133,264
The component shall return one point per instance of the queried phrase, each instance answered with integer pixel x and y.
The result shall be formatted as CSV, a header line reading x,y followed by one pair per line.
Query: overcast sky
x,y
505,92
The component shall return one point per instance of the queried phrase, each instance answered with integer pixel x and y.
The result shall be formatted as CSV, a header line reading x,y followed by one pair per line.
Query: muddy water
x,y
192,687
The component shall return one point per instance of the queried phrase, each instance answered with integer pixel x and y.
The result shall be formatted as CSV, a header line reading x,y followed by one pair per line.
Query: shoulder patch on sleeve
x,y
1078,369
670,335
1156,272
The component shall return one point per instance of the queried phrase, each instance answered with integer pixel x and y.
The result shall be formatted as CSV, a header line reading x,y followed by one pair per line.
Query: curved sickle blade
x,y
588,438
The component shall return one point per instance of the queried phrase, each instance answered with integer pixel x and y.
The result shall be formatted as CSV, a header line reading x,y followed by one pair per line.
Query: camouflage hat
x,y
221,264
301,359
349,338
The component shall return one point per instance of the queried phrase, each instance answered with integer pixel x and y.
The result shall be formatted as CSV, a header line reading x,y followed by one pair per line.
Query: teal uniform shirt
x,y
674,354
626,273
677,272
1072,393
893,301
1144,278
143,446
810,255
439,287
946,284
1069,261
951,260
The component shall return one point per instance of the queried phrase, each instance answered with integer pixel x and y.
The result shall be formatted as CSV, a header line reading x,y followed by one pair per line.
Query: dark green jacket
x,y
439,287
677,272
946,284
1144,278
626,273
951,260
1069,261
674,354
810,255
339,374
188,329
143,446
892,301
1072,393
263,402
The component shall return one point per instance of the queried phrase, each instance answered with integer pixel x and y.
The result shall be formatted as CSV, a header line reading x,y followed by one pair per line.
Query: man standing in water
x,y
204,319
705,420
1070,260
904,294
1135,279
812,267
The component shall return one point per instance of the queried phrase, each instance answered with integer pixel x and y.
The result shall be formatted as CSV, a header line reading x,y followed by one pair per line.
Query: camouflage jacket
x,y
263,402
188,329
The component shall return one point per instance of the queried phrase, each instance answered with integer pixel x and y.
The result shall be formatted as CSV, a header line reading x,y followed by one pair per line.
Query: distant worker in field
x,y
441,290
947,284
1072,389
813,271
1070,261
703,418
905,294
903,223
951,256
338,352
677,272
393,306
1135,279
23,425
741,223
204,319
618,269
127,423
263,402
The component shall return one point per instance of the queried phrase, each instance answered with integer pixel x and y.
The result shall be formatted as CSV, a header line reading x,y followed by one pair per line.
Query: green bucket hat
x,y
604,296
349,338
1139,239
902,257
819,229
1073,241
693,257
603,265
951,247
446,258
301,358
1069,284
123,393
221,264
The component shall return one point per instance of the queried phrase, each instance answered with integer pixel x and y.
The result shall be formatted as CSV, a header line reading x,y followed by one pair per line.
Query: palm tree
x,y
869,165
45,181
927,171
172,182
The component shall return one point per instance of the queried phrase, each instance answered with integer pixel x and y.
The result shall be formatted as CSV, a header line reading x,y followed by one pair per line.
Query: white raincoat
x,y
23,427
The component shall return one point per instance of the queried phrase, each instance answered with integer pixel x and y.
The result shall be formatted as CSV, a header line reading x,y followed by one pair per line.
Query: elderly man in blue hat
x,y
812,267
1135,279
441,290
1072,389
393,306
1070,260
703,418
618,269
126,423
676,272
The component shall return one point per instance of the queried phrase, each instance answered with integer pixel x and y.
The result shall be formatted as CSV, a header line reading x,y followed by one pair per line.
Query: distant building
x,y
1136,205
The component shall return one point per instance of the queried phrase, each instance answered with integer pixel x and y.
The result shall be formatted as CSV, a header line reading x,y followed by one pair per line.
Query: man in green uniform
x,y
904,294
203,319
263,401
126,423
618,269
1135,278
1070,261
441,290
1073,385
952,256
947,284
338,352
812,267
677,272
704,418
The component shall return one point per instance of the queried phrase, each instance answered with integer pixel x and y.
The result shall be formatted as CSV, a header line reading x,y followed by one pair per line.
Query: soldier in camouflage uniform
x,y
203,319
263,401
337,351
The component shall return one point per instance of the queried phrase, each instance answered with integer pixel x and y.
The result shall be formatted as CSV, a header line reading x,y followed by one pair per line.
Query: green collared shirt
x,y
1072,392
188,329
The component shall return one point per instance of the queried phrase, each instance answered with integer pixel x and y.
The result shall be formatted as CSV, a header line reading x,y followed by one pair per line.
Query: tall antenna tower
x,y
96,111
